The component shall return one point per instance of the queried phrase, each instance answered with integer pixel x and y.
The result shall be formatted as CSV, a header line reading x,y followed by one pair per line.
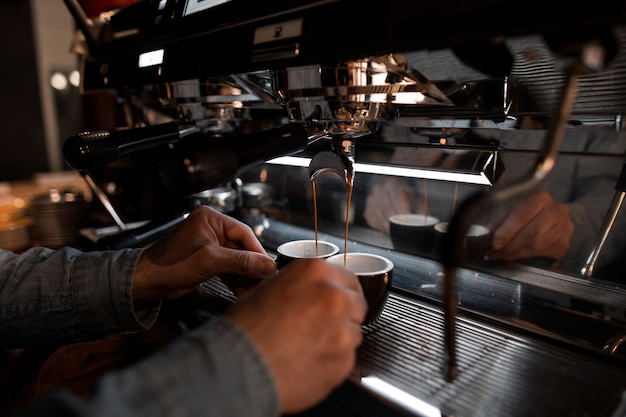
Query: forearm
x,y
50,297
214,370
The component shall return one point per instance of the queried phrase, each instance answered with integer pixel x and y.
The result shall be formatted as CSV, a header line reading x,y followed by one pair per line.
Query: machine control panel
x,y
194,39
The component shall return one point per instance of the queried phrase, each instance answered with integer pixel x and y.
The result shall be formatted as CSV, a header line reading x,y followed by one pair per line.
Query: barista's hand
x,y
539,227
386,198
206,244
306,321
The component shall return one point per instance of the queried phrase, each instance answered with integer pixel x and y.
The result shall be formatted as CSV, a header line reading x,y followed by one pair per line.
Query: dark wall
x,y
22,139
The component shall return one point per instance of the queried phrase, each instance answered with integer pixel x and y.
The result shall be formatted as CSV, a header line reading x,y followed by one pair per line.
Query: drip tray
x,y
502,373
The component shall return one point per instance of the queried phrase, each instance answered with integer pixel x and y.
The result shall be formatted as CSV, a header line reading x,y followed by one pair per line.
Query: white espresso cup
x,y
300,249
375,274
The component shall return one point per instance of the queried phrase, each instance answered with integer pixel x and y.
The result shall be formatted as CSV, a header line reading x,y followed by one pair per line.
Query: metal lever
x,y
99,31
90,30
104,200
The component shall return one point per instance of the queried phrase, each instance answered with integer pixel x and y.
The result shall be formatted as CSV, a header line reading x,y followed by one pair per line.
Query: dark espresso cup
x,y
300,249
375,274
413,233
476,243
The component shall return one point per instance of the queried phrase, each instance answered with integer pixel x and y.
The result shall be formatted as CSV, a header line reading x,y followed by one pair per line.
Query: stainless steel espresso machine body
x,y
456,110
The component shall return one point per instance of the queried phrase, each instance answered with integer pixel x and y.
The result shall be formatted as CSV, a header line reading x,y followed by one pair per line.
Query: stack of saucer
x,y
15,233
58,217
15,226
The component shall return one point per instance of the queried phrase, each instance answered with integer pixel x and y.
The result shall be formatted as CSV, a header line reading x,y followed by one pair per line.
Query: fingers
x,y
305,320
538,227
357,305
206,244
548,245
229,231
231,246
222,260
317,287
347,278
517,219
527,243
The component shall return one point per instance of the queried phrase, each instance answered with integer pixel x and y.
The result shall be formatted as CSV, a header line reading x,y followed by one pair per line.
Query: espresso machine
x,y
466,107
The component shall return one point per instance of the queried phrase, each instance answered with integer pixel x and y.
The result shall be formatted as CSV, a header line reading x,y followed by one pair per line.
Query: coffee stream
x,y
314,193
345,238
350,182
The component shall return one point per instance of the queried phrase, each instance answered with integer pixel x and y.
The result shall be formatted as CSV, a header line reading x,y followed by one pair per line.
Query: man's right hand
x,y
306,322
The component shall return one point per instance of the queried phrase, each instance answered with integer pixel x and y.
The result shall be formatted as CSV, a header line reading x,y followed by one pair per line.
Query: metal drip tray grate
x,y
502,373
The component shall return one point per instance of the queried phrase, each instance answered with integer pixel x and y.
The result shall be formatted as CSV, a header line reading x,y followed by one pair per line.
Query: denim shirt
x,y
51,297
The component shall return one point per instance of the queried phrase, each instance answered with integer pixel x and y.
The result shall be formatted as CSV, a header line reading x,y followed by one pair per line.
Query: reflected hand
x,y
206,244
539,227
306,322
386,198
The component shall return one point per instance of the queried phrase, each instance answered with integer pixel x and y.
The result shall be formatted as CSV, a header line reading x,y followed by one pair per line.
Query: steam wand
x,y
607,225
469,210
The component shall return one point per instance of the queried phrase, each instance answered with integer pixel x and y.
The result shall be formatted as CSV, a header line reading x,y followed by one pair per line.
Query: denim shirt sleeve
x,y
50,297
213,370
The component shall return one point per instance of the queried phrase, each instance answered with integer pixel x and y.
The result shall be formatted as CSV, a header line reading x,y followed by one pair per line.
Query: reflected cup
x,y
375,274
413,233
476,243
300,249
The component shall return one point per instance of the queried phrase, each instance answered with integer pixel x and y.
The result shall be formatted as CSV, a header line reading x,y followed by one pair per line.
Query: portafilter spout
x,y
582,55
339,160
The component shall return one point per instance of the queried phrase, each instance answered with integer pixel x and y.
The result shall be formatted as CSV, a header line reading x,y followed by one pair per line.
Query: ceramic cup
x,y
476,243
298,249
375,274
413,233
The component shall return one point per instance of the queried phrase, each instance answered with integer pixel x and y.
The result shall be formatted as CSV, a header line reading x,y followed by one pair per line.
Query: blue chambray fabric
x,y
213,370
50,297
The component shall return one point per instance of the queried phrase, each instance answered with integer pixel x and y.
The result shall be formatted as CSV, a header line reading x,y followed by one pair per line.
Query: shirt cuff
x,y
102,290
